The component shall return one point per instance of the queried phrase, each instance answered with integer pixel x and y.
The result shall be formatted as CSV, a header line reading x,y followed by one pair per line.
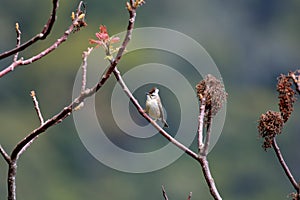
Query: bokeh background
x,y
251,41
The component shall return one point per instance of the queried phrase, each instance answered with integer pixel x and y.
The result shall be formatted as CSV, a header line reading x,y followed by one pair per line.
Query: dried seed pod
x,y
286,96
270,125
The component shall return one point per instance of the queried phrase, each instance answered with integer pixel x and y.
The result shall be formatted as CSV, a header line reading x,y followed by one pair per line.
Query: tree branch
x,y
208,177
204,145
11,180
18,32
164,193
4,155
284,166
63,38
36,107
42,35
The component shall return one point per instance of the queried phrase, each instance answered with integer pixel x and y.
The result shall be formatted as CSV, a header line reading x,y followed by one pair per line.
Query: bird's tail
x,y
166,125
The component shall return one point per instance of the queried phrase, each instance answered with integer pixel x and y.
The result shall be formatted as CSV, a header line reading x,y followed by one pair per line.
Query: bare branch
x,y
164,193
11,180
18,32
284,166
208,177
56,44
42,35
4,154
36,107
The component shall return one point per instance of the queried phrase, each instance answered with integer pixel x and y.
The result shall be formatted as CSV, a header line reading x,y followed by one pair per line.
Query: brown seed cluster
x,y
270,125
286,96
212,90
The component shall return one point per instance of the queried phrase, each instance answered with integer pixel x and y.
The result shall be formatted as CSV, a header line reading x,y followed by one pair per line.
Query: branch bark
x,y
18,32
285,167
37,107
208,178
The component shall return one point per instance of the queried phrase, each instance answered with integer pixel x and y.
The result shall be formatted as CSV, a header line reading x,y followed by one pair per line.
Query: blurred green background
x,y
251,41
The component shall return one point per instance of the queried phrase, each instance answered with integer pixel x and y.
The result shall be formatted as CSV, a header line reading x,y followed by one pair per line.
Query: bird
x,y
154,106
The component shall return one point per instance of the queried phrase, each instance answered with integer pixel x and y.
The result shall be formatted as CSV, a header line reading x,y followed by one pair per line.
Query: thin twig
x,y
42,35
154,124
164,193
36,107
84,68
4,154
18,32
55,45
201,125
284,166
85,55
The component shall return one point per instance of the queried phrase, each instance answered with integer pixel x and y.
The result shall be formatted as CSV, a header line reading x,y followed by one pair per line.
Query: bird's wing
x,y
147,108
161,111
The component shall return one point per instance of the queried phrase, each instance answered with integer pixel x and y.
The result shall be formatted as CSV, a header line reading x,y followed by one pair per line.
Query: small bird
x,y
154,107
